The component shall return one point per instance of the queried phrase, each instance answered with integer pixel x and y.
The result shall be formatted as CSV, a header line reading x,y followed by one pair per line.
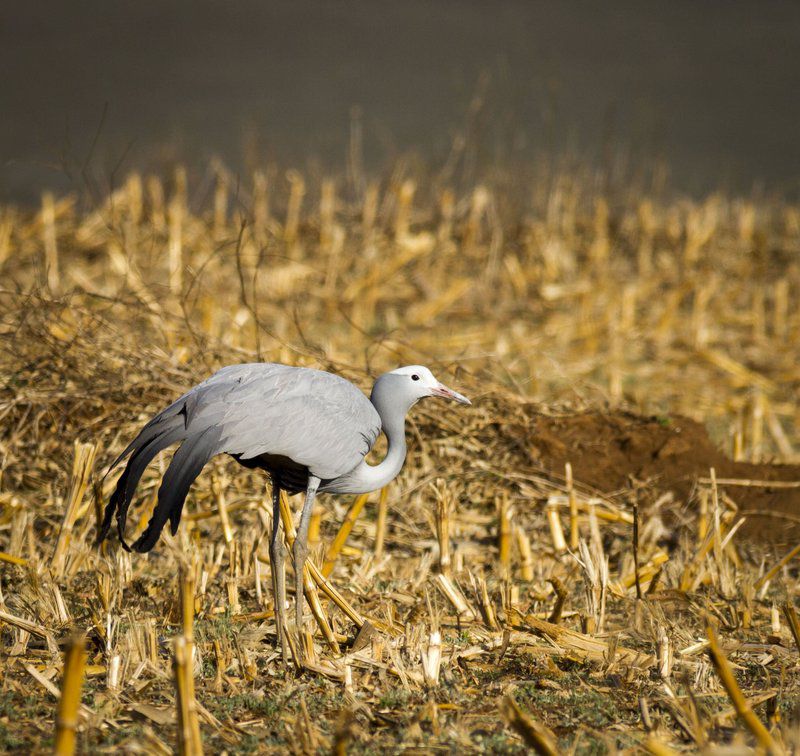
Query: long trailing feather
x,y
146,446
186,465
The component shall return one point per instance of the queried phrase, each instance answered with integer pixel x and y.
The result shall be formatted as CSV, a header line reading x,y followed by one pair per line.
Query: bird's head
x,y
407,385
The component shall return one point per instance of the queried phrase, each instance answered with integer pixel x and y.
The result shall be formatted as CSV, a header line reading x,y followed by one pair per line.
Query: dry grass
x,y
481,603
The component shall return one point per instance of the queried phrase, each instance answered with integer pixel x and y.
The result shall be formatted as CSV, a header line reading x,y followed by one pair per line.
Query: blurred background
x,y
709,92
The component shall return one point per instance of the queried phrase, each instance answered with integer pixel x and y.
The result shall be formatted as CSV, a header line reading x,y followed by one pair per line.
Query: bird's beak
x,y
448,393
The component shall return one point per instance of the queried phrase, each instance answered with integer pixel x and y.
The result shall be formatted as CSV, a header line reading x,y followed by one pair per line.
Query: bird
x,y
309,430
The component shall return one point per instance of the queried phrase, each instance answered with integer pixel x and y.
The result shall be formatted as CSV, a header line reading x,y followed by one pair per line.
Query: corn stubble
x,y
479,602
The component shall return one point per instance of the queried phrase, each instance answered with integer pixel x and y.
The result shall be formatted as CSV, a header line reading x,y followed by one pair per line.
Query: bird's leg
x,y
277,558
300,549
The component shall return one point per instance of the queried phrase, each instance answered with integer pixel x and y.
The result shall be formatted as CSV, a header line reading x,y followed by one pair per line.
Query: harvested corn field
x,y
597,556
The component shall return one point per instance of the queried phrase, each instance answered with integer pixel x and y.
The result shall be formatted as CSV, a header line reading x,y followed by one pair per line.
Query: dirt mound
x,y
606,450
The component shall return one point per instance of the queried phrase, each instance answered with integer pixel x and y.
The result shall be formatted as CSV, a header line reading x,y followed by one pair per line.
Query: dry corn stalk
x,y
525,554
561,597
176,214
11,559
344,532
189,726
637,577
665,658
580,644
218,486
741,375
793,622
81,471
189,740
654,746
6,228
757,426
646,572
574,532
595,573
334,595
702,518
766,577
442,515
186,586
484,602
717,541
556,530
454,595
535,735
694,566
70,699
504,513
314,526
743,710
380,525
432,659
319,614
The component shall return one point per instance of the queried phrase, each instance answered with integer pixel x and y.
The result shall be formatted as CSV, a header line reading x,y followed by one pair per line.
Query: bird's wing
x,y
317,419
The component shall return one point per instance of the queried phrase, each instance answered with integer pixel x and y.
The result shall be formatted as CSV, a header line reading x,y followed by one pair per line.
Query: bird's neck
x,y
388,469
368,477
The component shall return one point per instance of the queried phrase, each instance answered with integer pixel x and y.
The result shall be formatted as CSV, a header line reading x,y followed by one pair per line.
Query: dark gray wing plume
x,y
318,420
186,465
150,441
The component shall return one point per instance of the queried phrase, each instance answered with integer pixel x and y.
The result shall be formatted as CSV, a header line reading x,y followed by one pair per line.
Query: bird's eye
x,y
415,377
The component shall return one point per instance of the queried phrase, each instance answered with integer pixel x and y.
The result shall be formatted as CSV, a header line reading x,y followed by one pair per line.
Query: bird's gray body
x,y
291,422
316,420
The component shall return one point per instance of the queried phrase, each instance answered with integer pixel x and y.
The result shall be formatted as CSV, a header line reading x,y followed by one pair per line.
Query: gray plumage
x,y
310,430
258,413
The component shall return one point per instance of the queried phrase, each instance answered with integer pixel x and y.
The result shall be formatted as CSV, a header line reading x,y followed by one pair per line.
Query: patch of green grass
x,y
249,744
576,704
394,698
220,626
9,741
498,742
587,745
326,701
19,709
233,706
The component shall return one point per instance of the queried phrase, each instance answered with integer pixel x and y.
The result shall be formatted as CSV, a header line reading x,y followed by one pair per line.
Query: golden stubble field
x,y
569,565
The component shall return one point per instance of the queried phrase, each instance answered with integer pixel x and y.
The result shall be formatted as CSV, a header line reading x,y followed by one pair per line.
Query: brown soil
x,y
608,451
